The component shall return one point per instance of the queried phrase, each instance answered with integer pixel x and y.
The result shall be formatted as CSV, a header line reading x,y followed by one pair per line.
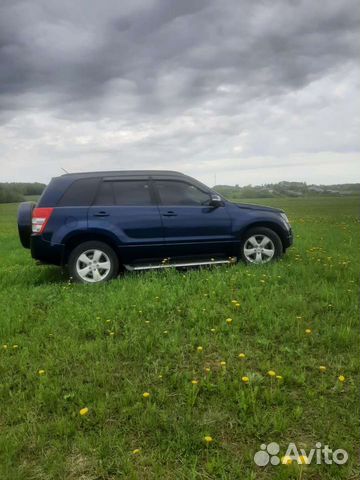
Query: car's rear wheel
x,y
93,262
261,245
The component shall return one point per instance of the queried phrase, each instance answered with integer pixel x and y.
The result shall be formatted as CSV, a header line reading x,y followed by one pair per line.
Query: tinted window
x,y
181,193
132,192
105,195
80,193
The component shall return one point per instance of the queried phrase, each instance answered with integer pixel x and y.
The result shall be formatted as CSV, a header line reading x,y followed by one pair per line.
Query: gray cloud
x,y
196,84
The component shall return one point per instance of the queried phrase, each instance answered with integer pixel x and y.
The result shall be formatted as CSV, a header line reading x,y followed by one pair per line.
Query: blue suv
x,y
99,222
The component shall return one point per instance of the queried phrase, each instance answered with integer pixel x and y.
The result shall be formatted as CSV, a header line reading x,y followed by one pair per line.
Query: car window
x,y
80,193
105,195
181,193
132,192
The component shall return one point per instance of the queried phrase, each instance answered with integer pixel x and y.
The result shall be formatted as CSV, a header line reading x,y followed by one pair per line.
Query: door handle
x,y
169,214
101,214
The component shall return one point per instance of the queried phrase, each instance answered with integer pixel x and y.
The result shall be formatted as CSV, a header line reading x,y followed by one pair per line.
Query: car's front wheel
x,y
93,262
261,245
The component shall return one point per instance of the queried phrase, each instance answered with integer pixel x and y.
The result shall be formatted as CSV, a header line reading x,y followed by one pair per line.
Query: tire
x,y
93,262
260,245
24,222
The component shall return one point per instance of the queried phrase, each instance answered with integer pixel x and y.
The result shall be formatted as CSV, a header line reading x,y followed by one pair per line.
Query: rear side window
x,y
124,192
105,195
80,193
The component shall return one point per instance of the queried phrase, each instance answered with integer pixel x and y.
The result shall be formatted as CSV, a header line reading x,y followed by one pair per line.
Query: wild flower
x,y
84,411
41,372
322,368
242,355
245,379
271,373
199,349
146,394
303,460
194,381
136,451
308,331
286,460
341,378
229,321
208,439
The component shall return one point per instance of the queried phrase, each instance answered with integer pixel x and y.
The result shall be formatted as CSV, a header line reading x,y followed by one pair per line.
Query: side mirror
x,y
215,200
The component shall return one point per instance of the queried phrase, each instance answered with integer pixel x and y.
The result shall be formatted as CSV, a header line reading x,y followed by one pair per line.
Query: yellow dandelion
x,y
242,355
271,373
303,460
41,372
234,301
136,451
194,381
286,460
160,376
279,377
341,378
212,330
146,394
199,348
229,321
147,322
15,346
322,368
165,332
111,334
108,320
84,411
207,369
237,305
245,379
308,331
208,439
223,363
4,347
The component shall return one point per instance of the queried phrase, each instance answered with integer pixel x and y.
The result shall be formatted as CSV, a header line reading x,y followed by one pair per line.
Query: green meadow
x,y
67,348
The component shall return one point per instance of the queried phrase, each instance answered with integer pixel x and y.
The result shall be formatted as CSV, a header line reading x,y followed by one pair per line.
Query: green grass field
x,y
65,347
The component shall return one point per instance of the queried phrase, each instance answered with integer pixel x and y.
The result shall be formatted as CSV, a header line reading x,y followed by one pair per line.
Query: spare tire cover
x,y
24,222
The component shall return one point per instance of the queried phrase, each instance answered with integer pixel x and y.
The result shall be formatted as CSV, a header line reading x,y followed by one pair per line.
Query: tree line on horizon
x,y
287,189
14,192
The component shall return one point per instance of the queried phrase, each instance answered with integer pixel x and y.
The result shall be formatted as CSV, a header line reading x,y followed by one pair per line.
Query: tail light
x,y
40,217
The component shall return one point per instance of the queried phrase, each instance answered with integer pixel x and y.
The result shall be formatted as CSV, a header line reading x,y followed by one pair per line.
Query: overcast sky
x,y
252,91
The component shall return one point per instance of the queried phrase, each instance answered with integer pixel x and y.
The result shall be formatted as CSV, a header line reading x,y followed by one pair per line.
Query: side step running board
x,y
156,266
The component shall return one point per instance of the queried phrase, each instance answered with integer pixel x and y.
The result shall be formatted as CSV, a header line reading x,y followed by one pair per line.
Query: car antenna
x,y
64,170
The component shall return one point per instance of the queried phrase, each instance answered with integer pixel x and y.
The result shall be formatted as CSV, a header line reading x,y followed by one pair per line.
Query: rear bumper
x,y
45,251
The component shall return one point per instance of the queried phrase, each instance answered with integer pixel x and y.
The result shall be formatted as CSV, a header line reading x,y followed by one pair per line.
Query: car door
x,y
125,210
191,226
